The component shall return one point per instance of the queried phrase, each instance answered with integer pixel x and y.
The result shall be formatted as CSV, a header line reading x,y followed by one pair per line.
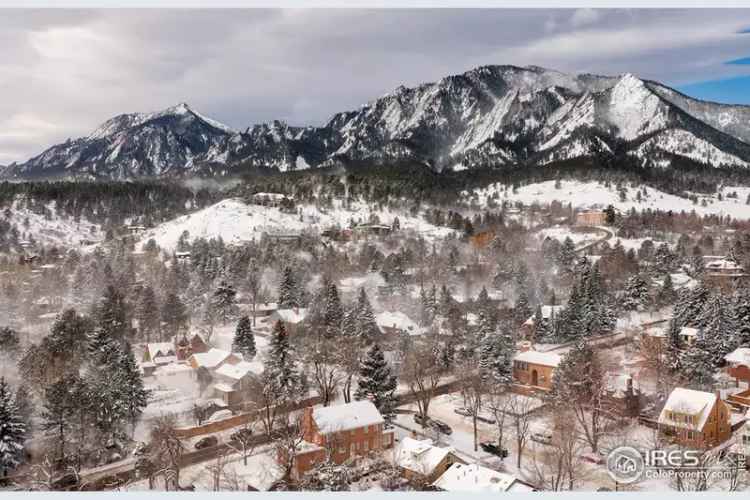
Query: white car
x,y
542,438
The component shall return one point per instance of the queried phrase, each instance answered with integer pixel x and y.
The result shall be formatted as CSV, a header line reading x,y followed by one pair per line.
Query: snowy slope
x,y
235,221
51,228
595,195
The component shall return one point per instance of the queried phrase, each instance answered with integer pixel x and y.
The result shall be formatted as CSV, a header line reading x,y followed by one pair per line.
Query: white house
x,y
422,459
474,478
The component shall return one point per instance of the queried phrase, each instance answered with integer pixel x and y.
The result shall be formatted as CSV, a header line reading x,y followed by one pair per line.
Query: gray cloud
x,y
63,71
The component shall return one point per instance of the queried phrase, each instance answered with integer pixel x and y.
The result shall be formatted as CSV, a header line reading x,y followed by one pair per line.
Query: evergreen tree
x,y
333,314
244,340
673,349
9,341
148,314
12,431
289,294
496,358
280,368
666,294
522,310
111,314
636,296
174,315
223,302
377,383
697,362
690,303
366,327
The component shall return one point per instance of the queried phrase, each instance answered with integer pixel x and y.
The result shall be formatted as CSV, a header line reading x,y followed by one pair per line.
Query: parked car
x,y
435,424
467,412
541,438
494,449
207,442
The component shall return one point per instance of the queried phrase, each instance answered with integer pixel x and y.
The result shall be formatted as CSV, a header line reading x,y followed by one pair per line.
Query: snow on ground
x,y
596,195
52,228
236,221
579,238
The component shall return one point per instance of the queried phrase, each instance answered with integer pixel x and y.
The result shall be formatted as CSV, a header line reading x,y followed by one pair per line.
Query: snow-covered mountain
x,y
489,116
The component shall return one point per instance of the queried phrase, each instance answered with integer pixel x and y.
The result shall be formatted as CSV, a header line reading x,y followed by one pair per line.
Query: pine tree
x,y
522,310
697,362
223,302
148,314
666,294
636,296
280,368
174,314
377,383
244,340
133,396
9,341
673,349
289,295
111,314
496,358
12,431
366,326
333,314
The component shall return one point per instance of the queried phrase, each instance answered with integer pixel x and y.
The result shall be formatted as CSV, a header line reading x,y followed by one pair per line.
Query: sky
x,y
63,72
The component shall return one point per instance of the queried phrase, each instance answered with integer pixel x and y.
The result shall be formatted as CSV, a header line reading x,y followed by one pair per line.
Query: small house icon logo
x,y
625,464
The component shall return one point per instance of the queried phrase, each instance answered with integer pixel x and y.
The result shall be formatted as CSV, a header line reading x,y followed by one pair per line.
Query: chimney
x,y
524,346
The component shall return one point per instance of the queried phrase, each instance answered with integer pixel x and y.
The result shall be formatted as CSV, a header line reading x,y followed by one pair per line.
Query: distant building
x,y
135,230
340,432
534,369
421,461
482,239
695,419
723,272
394,323
622,395
212,359
364,231
292,319
474,478
272,199
187,345
591,218
738,365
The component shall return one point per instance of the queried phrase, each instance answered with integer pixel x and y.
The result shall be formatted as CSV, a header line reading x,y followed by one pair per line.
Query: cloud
x,y
63,72
585,17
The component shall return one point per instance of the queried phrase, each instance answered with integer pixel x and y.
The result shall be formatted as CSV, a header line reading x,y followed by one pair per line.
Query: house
x,y
534,369
366,230
723,272
654,333
159,353
421,461
340,432
176,376
591,218
136,230
738,365
695,418
482,239
292,319
231,381
474,478
265,309
186,347
688,335
272,199
622,395
212,359
549,313
394,323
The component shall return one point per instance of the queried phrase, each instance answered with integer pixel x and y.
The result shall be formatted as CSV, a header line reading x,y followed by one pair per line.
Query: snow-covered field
x,y
596,195
236,221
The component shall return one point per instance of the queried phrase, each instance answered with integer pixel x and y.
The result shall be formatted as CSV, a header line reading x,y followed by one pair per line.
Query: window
x,y
367,446
352,449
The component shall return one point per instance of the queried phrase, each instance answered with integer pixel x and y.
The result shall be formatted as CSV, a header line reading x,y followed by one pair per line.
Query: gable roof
x,y
539,358
547,313
420,456
740,356
292,316
398,320
346,417
690,402
237,371
212,358
477,479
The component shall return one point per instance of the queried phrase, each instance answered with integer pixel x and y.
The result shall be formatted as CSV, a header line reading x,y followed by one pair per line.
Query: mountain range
x,y
491,116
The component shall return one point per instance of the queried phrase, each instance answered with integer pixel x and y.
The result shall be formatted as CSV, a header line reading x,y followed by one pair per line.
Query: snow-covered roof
x,y
655,331
475,478
399,320
346,417
172,368
272,196
221,387
688,402
723,265
547,313
292,316
539,358
420,456
211,359
159,349
740,356
235,372
617,383
688,331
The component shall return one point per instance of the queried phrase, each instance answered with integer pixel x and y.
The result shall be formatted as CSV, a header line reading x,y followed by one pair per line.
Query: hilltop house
x,y
723,272
339,433
421,461
474,478
533,370
695,418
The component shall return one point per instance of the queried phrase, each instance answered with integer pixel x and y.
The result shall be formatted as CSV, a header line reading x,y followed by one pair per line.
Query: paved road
x,y
610,235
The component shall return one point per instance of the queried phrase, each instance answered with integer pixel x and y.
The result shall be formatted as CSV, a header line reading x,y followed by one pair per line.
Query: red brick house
x,y
738,365
187,346
340,433
695,419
